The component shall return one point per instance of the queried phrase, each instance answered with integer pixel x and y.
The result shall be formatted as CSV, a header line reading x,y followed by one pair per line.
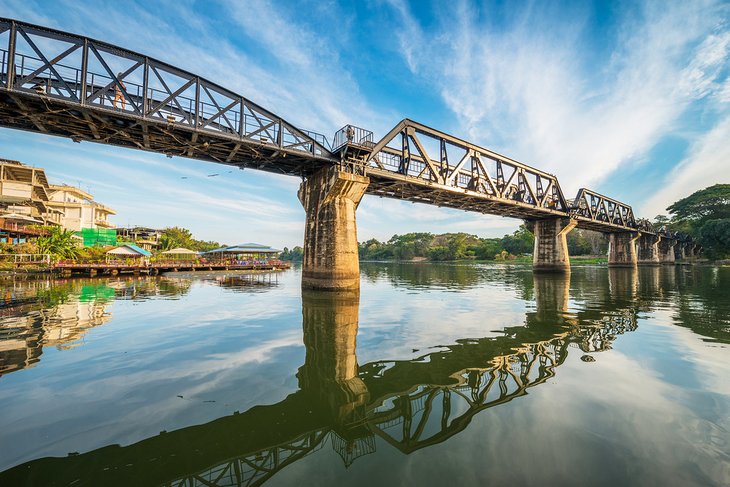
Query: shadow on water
x,y
409,404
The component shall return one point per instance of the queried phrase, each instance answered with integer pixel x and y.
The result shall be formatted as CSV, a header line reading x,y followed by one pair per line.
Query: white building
x,y
79,208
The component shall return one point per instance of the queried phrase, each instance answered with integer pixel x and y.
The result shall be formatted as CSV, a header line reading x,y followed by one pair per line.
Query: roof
x,y
180,251
129,249
70,189
18,216
246,248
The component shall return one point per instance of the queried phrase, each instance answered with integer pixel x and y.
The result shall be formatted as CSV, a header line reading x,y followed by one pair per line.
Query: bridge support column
x,y
551,246
690,251
666,250
679,251
622,249
330,198
649,250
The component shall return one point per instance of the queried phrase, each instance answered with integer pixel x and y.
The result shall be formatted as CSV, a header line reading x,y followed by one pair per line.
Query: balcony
x,y
22,229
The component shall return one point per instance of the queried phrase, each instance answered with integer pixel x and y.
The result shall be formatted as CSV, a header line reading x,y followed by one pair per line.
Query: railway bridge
x,y
62,84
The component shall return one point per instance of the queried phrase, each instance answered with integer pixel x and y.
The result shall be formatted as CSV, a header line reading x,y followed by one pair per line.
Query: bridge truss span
x,y
595,211
421,164
67,85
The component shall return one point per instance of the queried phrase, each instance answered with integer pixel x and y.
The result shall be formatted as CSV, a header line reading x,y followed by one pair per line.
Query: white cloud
x,y
707,163
534,86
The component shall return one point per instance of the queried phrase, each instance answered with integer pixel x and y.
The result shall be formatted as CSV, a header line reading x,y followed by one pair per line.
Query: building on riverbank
x,y
78,208
146,238
243,252
24,200
28,201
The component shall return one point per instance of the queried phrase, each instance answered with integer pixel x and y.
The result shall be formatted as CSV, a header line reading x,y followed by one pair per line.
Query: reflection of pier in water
x,y
245,282
57,313
409,404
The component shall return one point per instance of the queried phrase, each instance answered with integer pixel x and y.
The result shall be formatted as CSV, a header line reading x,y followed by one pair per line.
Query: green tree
x,y
294,255
59,243
661,220
173,237
439,253
705,215
488,249
578,243
522,241
712,203
715,238
457,246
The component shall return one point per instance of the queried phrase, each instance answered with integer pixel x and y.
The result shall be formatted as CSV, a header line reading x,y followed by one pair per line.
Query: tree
x,y
457,246
712,203
522,241
715,237
294,255
173,237
705,215
488,249
661,220
59,243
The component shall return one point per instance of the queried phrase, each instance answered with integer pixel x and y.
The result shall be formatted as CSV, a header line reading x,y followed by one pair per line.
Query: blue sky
x,y
631,99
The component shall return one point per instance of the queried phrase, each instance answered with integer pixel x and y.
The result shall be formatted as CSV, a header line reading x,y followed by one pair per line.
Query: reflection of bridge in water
x,y
409,404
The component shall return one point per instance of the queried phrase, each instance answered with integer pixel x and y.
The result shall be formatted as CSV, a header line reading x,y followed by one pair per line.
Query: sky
x,y
630,99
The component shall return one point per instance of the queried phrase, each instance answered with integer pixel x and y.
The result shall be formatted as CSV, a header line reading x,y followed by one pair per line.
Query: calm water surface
x,y
433,375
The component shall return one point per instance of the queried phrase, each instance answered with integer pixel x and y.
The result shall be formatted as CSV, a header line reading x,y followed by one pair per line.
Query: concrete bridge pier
x,y
622,249
666,250
679,253
648,250
691,251
330,198
551,246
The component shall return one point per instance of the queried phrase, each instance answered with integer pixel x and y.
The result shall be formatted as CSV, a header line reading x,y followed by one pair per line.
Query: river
x,y
435,374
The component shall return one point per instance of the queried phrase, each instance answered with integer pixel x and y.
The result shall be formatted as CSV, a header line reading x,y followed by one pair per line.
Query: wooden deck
x,y
155,268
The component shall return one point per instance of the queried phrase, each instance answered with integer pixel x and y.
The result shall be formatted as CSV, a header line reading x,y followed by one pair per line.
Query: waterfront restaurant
x,y
243,253
178,253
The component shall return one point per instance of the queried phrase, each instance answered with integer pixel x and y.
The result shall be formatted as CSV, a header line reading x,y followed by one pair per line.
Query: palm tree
x,y
59,243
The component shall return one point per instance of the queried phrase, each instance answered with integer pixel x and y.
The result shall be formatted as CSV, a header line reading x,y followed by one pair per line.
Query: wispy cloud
x,y
558,99
708,162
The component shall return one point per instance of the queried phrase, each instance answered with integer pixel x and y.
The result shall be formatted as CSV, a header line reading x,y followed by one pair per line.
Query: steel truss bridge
x,y
67,85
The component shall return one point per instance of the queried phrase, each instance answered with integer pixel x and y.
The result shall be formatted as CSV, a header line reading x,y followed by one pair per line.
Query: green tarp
x,y
98,236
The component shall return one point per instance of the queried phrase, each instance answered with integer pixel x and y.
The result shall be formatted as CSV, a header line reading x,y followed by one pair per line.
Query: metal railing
x,y
350,134
25,259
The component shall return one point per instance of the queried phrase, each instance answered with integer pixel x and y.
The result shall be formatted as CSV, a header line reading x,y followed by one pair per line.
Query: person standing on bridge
x,y
118,95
